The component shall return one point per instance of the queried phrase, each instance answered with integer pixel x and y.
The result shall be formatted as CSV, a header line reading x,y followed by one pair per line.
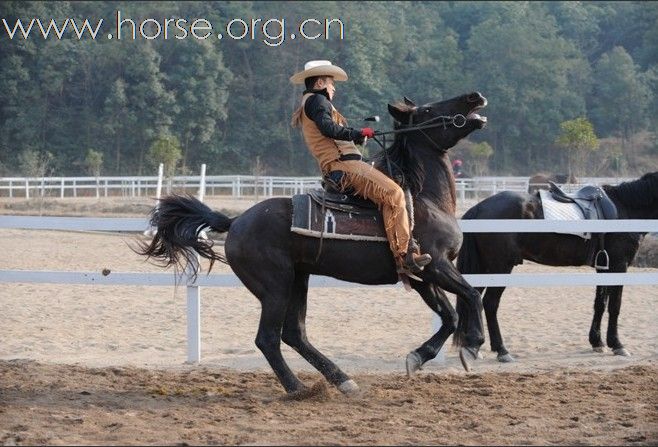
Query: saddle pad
x,y
554,210
308,220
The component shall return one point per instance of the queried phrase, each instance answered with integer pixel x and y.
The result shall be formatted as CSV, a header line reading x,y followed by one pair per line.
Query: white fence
x,y
234,185
228,280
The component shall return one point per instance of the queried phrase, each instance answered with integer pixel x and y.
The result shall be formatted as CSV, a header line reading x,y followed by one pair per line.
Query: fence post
x,y
27,188
202,183
194,295
158,188
193,322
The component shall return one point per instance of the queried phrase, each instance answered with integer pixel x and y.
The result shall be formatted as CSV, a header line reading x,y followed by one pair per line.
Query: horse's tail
x,y
468,261
179,221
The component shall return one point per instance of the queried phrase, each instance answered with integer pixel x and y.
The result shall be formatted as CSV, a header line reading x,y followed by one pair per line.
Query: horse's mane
x,y
403,162
637,194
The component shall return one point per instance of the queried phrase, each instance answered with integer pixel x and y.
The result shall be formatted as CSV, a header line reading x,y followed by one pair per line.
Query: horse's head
x,y
440,124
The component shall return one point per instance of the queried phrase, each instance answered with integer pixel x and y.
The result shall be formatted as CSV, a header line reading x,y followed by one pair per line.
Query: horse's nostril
x,y
474,97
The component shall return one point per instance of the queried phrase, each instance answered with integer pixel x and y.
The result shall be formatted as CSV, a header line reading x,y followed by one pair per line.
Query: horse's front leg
x,y
613,294
437,300
442,273
614,307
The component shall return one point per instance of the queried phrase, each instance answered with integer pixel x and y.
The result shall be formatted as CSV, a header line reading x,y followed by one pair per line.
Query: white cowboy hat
x,y
319,68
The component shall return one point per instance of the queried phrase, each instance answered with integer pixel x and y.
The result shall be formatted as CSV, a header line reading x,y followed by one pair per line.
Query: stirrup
x,y
413,264
604,263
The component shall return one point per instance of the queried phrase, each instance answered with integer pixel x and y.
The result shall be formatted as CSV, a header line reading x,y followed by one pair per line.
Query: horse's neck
x,y
439,183
628,212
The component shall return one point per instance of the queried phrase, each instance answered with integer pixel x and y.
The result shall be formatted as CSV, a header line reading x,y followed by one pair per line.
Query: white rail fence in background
x,y
230,280
236,186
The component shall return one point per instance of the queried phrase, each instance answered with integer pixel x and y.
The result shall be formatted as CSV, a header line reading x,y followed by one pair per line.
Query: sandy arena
x,y
105,364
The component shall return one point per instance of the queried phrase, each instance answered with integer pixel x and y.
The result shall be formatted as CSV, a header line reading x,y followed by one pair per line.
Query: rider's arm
x,y
318,108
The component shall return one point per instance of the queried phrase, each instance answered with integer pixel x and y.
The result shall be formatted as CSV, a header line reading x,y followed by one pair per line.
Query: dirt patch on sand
x,y
64,404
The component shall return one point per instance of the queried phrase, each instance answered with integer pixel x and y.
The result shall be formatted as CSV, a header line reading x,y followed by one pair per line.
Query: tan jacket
x,y
325,150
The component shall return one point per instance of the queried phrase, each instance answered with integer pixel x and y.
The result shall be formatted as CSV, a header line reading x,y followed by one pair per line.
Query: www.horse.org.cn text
x,y
272,32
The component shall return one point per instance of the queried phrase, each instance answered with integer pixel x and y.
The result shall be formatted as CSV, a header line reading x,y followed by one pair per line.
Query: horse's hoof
x,y
467,356
506,358
349,388
621,351
598,348
414,363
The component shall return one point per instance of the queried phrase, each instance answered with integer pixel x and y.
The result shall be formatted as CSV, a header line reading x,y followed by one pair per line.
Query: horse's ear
x,y
399,114
409,102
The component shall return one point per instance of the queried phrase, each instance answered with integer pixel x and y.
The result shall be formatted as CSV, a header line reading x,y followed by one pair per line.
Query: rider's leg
x,y
372,184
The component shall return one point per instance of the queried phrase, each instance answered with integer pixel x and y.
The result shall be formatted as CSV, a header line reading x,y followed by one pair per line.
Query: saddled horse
x,y
275,263
500,252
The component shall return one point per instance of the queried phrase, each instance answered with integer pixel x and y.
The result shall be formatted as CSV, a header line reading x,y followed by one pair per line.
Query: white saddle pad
x,y
554,210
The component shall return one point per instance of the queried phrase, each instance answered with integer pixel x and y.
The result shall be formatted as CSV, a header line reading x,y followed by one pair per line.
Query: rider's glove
x,y
367,132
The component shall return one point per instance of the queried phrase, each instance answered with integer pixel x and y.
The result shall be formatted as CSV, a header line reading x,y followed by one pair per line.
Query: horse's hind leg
x,y
294,335
490,302
273,291
437,300
600,302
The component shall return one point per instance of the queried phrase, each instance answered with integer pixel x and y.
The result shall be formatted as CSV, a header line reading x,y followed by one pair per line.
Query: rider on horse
x,y
334,146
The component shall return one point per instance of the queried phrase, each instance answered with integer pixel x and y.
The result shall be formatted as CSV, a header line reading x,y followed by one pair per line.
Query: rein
x,y
446,121
457,120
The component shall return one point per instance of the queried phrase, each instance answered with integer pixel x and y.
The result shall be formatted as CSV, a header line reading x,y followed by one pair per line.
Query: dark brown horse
x,y
500,252
275,264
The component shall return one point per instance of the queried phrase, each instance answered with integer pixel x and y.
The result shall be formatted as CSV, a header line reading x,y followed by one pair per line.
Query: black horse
x,y
500,252
275,264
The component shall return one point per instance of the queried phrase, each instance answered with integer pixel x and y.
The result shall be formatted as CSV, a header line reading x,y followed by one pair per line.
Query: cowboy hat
x,y
319,68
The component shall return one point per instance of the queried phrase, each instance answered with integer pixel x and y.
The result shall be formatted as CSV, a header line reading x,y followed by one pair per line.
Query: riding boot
x,y
413,261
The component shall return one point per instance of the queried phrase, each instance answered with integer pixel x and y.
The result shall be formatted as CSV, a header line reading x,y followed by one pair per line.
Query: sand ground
x,y
106,364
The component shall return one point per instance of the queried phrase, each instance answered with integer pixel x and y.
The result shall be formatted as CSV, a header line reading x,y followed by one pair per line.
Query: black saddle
x,y
592,200
331,196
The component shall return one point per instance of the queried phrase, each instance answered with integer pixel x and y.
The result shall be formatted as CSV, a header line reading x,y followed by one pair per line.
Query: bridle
x,y
458,120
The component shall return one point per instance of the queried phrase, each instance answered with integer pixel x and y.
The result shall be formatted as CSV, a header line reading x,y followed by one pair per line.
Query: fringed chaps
x,y
372,184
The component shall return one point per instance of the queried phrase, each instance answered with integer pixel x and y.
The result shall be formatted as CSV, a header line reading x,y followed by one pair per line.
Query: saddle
x,y
594,203
328,213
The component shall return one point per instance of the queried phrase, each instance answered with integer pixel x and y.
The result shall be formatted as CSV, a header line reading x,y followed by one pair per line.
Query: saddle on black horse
x,y
332,214
594,203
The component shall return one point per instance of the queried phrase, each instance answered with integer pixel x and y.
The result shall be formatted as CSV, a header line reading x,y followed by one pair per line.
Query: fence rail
x,y
233,185
229,280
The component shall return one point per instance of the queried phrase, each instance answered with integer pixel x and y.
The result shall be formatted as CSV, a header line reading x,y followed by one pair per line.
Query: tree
x,y
577,137
199,79
166,150
480,153
532,77
94,162
621,98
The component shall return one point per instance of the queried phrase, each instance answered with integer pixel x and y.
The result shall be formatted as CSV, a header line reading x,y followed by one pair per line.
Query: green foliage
x,y
35,164
166,150
229,102
577,137
577,134
480,153
94,162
